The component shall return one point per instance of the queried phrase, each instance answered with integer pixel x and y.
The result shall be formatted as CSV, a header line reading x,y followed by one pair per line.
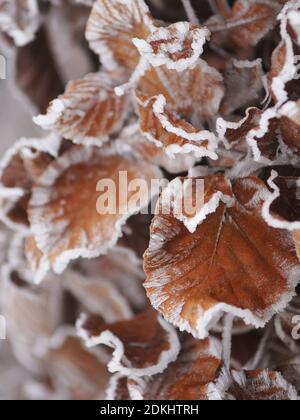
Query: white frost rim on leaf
x,y
266,209
183,30
49,144
28,147
199,136
212,316
116,365
176,189
222,126
111,391
278,83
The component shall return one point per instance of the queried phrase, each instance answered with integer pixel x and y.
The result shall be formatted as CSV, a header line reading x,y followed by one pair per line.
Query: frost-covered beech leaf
x,y
261,16
218,257
284,72
19,19
88,112
176,136
112,26
143,346
188,378
246,24
284,60
20,166
71,212
83,372
167,103
261,385
235,133
232,133
194,94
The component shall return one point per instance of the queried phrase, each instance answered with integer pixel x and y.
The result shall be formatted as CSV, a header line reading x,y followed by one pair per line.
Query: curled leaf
x,y
141,347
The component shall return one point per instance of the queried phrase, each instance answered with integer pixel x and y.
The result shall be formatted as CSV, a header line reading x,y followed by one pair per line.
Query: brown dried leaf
x,y
20,166
219,259
262,385
174,135
112,26
63,209
142,346
194,93
88,112
188,378
177,46
246,24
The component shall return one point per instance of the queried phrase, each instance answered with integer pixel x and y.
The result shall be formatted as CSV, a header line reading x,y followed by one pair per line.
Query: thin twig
x,y
254,362
190,12
234,24
212,5
227,339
